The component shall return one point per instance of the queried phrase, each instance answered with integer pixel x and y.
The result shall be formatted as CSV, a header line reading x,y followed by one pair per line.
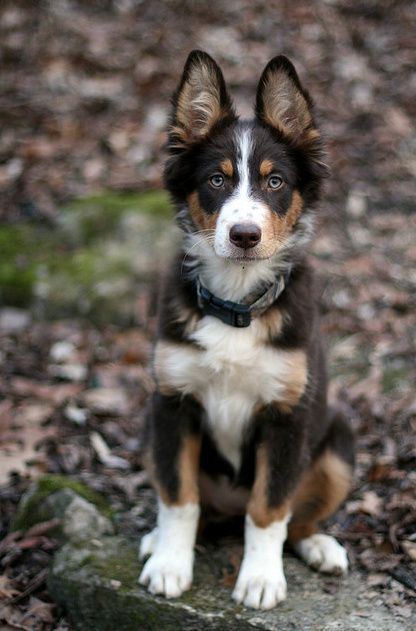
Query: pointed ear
x,y
283,104
200,102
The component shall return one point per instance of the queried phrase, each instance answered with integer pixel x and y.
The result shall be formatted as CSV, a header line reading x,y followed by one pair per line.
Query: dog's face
x,y
245,187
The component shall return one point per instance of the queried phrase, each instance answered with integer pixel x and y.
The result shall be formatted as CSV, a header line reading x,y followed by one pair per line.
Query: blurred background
x,y
85,228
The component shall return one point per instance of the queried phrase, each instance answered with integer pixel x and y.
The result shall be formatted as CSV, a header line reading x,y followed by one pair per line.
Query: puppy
x,y
239,421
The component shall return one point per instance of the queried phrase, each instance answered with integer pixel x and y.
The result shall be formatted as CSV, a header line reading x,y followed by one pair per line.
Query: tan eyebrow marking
x,y
227,167
266,167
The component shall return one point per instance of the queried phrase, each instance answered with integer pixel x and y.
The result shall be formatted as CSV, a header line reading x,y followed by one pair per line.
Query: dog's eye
x,y
217,180
274,182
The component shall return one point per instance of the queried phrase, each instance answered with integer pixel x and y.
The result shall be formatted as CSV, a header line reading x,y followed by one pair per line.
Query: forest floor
x,y
83,105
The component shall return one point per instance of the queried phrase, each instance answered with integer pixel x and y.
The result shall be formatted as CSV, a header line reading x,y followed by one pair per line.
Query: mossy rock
x,y
34,507
92,261
96,584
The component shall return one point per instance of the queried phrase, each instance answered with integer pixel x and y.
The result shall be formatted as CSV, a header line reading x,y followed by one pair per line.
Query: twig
x,y
34,584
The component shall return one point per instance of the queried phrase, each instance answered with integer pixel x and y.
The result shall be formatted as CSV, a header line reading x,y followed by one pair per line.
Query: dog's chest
x,y
230,371
233,372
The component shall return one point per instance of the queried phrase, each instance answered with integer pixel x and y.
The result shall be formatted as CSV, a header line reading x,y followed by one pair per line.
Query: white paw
x,y
147,543
167,574
323,553
168,571
260,590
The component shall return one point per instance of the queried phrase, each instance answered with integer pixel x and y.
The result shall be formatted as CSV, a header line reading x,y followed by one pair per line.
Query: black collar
x,y
239,314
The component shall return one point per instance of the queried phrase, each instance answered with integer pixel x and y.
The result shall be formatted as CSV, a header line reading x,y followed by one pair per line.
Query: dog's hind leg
x,y
322,489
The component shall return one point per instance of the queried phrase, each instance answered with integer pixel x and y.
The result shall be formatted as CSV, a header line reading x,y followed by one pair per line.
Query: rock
x,y
82,519
96,584
94,578
51,496
13,320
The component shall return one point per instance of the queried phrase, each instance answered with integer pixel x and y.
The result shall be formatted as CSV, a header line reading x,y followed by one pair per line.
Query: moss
x,y
29,512
98,215
91,261
122,566
20,257
395,377
82,581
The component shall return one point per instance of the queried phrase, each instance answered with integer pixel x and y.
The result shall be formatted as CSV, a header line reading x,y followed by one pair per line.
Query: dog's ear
x,y
283,104
200,103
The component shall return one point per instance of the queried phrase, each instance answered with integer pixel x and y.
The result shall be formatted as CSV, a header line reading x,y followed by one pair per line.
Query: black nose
x,y
245,235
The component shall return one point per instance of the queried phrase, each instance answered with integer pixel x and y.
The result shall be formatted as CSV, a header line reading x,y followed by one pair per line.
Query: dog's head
x,y
244,189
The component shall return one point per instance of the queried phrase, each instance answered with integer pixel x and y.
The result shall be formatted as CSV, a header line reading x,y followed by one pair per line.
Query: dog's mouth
x,y
251,255
247,257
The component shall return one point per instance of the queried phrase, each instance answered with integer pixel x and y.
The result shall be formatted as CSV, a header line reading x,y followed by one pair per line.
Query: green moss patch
x,y
30,509
91,261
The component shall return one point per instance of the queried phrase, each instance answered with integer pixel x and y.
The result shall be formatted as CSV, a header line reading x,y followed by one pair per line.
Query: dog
x,y
239,421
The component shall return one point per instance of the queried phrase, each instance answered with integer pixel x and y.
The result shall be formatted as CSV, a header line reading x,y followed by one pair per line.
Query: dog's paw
x,y
167,573
147,544
260,589
323,553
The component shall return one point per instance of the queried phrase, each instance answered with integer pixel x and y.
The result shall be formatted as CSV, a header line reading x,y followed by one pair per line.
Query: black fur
x,y
292,439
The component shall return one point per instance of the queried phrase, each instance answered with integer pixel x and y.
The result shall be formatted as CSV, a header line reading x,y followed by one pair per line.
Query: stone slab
x,y
96,583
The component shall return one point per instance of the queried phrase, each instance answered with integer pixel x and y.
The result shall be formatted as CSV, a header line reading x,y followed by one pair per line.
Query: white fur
x,y
169,569
230,375
261,582
323,553
241,207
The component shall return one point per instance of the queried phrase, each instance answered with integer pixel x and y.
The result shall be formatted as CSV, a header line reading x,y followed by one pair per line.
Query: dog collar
x,y
239,314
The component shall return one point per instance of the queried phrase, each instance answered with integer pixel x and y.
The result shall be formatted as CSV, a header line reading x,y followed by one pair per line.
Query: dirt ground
x,y
83,105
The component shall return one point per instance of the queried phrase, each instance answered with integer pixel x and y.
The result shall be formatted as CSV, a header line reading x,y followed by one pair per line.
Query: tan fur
x,y
283,225
272,320
188,470
198,107
285,108
322,489
297,378
188,467
227,167
188,317
266,167
201,219
258,506
278,228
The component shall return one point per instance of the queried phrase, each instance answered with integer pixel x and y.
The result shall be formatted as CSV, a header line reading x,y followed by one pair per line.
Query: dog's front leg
x,y
261,581
175,447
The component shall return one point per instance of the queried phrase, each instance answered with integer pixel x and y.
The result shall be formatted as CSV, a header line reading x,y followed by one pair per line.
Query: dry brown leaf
x,y
6,589
371,504
410,548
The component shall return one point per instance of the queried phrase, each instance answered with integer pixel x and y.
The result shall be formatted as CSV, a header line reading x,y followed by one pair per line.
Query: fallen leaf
x,y
104,453
371,504
6,589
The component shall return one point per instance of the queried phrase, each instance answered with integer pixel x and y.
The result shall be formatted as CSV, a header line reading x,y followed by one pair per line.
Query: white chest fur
x,y
231,372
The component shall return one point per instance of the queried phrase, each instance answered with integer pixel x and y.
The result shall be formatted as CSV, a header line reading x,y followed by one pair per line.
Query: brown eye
x,y
217,180
274,182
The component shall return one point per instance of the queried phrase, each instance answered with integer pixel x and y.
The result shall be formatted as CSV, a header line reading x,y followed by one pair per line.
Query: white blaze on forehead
x,y
245,148
241,207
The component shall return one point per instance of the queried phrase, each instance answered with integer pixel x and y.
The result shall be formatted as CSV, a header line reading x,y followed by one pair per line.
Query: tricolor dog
x,y
239,421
